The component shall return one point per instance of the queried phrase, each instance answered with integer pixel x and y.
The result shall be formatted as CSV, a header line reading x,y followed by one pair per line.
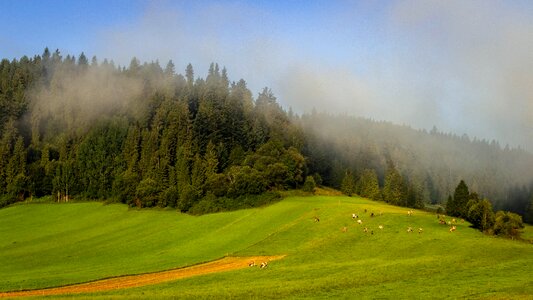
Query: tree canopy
x,y
147,135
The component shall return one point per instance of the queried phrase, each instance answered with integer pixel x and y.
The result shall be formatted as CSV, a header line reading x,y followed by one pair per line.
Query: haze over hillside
x,y
464,67
131,97
150,136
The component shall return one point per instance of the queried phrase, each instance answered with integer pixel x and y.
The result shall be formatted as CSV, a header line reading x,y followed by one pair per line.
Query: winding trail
x,y
221,265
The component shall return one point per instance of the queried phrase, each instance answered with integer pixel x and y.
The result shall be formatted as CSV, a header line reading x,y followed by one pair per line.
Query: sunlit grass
x,y
59,244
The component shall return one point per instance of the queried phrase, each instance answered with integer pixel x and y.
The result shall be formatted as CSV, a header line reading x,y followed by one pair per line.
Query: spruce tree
x,y
368,185
348,184
458,206
394,190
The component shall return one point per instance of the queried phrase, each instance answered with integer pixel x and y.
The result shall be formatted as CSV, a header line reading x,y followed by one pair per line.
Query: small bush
x,y
309,184
508,224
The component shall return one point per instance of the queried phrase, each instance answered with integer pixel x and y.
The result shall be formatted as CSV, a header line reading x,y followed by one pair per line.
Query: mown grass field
x,y
44,245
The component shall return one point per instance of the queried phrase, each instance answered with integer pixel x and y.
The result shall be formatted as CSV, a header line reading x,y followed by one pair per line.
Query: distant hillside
x,y
148,136
436,160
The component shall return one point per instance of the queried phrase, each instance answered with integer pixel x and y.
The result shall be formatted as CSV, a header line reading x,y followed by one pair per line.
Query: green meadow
x,y
46,245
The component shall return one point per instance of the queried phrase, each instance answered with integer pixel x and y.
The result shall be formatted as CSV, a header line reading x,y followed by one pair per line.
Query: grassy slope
x,y
58,244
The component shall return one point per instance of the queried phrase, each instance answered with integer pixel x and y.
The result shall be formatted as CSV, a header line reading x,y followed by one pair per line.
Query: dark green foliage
x,y
368,186
309,184
529,213
415,195
394,190
169,197
348,184
147,193
187,197
99,160
245,180
173,142
437,160
97,131
211,204
457,207
480,214
508,224
124,187
318,179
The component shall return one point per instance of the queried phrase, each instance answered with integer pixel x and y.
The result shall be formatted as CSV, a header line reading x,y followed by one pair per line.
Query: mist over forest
x,y
148,135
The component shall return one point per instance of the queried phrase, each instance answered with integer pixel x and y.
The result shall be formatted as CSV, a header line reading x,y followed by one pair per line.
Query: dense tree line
x,y
145,135
196,144
479,212
415,166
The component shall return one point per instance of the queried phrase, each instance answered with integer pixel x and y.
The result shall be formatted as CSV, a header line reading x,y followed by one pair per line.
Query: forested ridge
x,y
148,136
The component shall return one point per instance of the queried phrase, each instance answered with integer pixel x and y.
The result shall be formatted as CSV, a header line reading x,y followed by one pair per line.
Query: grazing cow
x,y
251,264
359,221
409,212
372,215
344,229
380,226
453,228
420,230
317,219
264,265
409,229
442,221
453,221
365,230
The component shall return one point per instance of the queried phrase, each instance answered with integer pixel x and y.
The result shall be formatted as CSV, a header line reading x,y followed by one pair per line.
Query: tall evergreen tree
x,y
458,206
394,189
170,68
189,74
368,186
348,184
83,61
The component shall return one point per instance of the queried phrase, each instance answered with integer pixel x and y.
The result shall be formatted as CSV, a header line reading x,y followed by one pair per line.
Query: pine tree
x,y
189,74
348,184
82,61
415,194
16,179
394,189
170,69
368,186
211,160
458,206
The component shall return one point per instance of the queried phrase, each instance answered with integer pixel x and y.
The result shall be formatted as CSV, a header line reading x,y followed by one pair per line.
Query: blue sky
x,y
464,66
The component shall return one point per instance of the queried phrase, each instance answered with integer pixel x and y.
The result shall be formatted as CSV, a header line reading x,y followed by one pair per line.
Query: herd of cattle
x,y
359,221
442,220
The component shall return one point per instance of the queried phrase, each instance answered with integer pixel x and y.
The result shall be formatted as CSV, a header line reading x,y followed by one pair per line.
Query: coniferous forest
x,y
147,135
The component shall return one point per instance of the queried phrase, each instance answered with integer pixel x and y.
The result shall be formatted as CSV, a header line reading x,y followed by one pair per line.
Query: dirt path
x,y
221,265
